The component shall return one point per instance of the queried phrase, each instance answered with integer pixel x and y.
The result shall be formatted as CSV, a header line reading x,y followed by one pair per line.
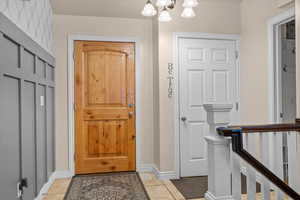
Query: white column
x,y
218,150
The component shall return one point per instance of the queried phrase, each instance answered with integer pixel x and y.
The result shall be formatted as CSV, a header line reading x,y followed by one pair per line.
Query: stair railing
x,y
256,152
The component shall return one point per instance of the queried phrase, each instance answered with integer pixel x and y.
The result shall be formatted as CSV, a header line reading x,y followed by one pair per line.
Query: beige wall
x,y
65,25
156,117
255,15
213,16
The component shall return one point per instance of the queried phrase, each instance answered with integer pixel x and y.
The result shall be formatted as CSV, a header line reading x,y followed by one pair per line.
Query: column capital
x,y
218,114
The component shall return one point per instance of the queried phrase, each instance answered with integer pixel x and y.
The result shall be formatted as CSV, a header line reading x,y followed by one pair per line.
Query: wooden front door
x,y
104,107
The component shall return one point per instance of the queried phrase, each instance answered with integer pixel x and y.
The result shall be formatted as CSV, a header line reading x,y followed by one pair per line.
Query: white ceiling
x,y
103,8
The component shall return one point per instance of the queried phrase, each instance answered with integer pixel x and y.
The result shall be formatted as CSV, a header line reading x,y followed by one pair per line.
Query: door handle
x,y
183,119
131,114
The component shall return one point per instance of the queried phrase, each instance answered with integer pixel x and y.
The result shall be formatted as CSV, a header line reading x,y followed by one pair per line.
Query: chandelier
x,y
164,6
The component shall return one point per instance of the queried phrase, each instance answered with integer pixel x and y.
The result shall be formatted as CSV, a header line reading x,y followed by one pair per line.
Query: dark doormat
x,y
109,186
196,187
192,187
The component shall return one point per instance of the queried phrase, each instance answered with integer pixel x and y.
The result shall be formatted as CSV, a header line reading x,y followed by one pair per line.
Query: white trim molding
x,y
71,123
274,88
176,37
152,168
210,196
273,61
164,175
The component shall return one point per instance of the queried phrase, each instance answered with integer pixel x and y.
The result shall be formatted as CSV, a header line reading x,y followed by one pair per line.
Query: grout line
x,y
165,185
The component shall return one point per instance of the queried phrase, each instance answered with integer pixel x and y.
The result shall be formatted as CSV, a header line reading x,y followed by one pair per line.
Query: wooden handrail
x,y
269,127
236,133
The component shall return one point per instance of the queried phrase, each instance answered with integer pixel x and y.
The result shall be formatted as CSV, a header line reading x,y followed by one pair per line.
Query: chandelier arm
x,y
172,5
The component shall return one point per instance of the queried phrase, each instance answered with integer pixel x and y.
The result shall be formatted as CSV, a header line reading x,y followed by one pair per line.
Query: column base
x,y
210,196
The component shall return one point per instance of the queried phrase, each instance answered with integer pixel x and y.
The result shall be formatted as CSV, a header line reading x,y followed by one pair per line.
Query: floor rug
x,y
196,187
109,186
192,187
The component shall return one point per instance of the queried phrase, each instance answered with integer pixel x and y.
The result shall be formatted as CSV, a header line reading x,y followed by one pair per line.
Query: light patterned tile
x,y
173,190
149,179
159,192
60,186
54,197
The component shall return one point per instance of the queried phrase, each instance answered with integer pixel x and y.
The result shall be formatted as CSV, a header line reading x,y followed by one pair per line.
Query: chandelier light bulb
x,y
188,13
164,16
149,10
190,3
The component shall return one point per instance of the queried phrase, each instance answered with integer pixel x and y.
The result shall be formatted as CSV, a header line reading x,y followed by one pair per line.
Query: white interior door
x,y
207,75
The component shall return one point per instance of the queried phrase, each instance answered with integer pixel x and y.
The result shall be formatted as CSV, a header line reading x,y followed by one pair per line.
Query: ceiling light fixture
x,y
188,13
164,6
149,9
164,15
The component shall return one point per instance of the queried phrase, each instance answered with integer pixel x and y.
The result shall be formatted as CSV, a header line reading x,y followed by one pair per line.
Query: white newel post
x,y
218,150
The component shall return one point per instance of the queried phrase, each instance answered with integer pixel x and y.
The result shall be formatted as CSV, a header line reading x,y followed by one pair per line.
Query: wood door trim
x,y
138,78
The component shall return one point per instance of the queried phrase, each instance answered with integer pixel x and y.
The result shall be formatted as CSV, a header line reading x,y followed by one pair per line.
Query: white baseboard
x,y
164,175
210,196
54,175
146,168
160,175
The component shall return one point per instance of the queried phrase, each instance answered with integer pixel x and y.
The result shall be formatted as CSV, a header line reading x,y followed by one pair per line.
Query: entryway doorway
x,y
282,85
207,73
105,121
287,82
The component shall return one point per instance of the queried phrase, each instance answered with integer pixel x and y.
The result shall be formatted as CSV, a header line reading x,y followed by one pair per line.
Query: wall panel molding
x,y
27,88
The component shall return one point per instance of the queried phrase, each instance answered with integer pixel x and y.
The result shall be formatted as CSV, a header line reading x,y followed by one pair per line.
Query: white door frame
x,y
274,60
71,120
176,37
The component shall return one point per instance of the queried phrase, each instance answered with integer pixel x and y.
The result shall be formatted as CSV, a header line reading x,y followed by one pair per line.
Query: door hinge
x,y
74,157
281,115
236,54
237,105
74,106
20,185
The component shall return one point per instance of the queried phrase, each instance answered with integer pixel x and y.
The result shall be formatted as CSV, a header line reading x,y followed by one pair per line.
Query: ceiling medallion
x,y
164,6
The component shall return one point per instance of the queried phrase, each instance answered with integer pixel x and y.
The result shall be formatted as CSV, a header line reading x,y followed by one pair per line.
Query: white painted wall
x,y
33,17
213,16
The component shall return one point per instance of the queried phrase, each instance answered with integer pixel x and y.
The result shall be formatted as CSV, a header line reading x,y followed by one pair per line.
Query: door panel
x,y
9,137
104,107
207,75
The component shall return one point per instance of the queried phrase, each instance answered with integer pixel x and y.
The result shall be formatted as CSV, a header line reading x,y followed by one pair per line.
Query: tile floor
x,y
157,189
